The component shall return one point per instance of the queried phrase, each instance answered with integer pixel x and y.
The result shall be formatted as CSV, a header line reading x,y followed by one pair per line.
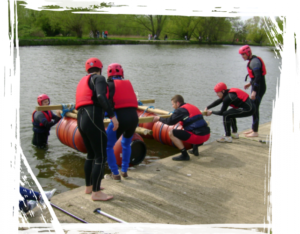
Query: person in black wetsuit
x,y
123,100
91,102
256,71
242,107
195,127
42,121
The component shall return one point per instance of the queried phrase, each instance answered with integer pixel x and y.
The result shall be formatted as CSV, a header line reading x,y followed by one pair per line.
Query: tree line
x,y
77,22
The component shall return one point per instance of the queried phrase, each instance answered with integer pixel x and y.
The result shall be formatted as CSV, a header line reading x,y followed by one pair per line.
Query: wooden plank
x,y
143,131
147,101
156,111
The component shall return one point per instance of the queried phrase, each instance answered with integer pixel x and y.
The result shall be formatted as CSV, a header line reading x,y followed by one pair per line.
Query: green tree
x,y
181,26
152,23
239,30
68,21
213,28
256,29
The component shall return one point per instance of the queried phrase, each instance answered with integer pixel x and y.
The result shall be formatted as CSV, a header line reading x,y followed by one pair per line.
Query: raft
x,y
68,134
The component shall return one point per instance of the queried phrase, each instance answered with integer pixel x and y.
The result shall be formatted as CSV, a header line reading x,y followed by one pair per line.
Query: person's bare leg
x,y
176,141
252,134
248,132
100,196
89,189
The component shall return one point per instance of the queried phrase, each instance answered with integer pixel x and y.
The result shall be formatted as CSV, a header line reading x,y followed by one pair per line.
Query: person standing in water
x,y
42,122
256,71
91,102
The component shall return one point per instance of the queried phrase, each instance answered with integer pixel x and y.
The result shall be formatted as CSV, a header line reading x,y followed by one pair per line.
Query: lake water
x,y
156,72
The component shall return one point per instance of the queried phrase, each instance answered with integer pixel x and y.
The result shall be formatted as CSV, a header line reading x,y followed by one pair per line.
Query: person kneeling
x,y
195,130
242,107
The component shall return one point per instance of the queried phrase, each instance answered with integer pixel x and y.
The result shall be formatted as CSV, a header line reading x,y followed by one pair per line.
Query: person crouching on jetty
x,y
242,107
123,100
195,127
91,102
42,122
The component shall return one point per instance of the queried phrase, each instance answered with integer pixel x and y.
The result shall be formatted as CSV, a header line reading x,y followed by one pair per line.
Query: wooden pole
x,y
59,107
107,121
147,101
155,111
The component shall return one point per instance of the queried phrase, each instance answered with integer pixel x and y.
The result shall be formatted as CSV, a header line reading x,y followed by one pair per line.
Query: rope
x,y
140,103
67,108
151,107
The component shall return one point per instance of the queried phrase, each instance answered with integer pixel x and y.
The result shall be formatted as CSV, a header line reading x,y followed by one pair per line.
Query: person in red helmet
x,y
42,122
195,130
123,100
256,71
91,103
241,105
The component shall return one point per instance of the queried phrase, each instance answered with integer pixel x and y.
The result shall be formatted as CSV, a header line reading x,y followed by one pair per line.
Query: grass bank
x,y
38,41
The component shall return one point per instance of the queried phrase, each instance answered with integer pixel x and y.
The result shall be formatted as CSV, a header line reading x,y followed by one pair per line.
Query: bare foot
x,y
253,134
100,196
248,132
89,189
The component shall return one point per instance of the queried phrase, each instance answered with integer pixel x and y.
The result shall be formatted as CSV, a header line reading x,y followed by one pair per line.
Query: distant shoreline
x,y
66,41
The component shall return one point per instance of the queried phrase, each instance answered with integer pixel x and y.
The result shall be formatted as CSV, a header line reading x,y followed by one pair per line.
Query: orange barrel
x,y
68,134
146,125
161,133
138,150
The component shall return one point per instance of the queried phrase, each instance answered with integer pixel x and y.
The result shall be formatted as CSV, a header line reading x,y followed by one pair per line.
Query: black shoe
x,y
195,151
181,158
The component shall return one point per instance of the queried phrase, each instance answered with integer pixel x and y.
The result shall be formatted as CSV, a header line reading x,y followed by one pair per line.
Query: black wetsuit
x,y
258,84
91,127
41,133
245,109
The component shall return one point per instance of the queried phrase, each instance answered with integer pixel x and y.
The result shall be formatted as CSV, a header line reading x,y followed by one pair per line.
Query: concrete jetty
x,y
227,183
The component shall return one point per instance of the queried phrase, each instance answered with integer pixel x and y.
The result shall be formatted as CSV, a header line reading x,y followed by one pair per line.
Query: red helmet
x,y
115,69
220,87
93,62
41,98
245,50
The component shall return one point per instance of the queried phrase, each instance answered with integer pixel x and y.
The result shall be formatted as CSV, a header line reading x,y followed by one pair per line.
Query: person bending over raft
x,y
256,71
123,100
242,107
42,122
91,103
195,127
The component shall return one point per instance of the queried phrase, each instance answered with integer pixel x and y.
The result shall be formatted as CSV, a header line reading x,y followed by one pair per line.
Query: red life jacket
x,y
83,93
47,114
195,119
124,95
263,67
240,94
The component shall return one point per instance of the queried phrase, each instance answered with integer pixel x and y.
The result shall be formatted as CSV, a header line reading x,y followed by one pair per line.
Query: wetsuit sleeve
x,y
215,103
178,115
40,117
256,67
55,117
100,87
226,102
